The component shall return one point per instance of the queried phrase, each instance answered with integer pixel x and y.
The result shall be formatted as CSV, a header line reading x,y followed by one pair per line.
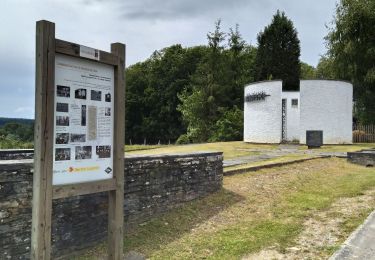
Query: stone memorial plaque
x,y
314,139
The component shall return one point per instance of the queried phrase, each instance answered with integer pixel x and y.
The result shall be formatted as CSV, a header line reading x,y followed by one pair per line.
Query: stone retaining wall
x,y
16,154
153,185
365,158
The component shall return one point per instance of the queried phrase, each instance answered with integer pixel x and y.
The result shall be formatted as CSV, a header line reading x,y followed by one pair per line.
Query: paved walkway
x,y
360,244
281,150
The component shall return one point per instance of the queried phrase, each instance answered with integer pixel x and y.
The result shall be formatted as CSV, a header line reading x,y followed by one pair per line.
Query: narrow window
x,y
294,102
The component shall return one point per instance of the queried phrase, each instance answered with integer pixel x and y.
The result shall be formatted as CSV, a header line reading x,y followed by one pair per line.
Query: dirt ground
x,y
324,232
265,195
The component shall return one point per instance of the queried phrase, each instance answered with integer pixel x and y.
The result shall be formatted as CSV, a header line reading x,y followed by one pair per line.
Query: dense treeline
x,y
212,105
196,94
23,121
16,135
351,53
151,94
190,94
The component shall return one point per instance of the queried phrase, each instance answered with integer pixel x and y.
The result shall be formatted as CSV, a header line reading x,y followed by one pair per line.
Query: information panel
x,y
83,136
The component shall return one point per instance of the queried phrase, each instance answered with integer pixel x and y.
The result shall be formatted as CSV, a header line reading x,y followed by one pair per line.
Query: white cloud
x,y
144,26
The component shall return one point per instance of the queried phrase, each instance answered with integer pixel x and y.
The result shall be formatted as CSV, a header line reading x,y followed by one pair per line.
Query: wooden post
x,y
43,190
116,197
43,141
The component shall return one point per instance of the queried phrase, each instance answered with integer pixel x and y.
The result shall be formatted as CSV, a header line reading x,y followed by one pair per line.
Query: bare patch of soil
x,y
324,232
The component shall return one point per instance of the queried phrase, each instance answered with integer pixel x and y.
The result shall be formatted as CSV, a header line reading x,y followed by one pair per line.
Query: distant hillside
x,y
24,121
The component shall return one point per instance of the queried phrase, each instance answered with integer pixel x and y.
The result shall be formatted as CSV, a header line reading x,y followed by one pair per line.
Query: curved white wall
x,y
262,119
326,105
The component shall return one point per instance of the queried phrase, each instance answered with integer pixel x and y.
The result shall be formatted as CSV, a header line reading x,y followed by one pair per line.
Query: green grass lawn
x,y
14,144
252,212
229,149
232,149
139,147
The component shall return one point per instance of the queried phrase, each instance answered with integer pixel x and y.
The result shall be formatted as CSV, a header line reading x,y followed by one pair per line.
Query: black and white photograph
x,y
62,107
63,91
83,152
62,138
83,115
81,93
77,138
62,120
62,154
96,95
107,111
107,97
103,151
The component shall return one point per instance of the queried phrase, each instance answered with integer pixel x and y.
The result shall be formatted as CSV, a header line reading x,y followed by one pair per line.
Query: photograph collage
x,y
70,138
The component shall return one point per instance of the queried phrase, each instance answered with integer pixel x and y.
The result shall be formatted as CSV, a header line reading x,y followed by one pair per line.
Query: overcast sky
x,y
144,26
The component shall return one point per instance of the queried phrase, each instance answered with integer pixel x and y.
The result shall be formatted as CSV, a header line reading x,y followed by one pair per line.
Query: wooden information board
x,y
79,132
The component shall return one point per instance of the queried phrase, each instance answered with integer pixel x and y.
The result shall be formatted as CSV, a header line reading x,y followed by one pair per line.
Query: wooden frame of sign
x,y
43,190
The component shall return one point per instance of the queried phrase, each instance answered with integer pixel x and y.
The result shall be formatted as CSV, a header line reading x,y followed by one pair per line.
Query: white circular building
x,y
272,115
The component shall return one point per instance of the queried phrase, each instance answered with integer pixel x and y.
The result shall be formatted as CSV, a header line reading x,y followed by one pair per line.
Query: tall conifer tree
x,y
278,52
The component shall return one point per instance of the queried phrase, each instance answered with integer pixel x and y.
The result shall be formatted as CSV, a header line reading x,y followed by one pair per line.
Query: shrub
x,y
183,139
229,127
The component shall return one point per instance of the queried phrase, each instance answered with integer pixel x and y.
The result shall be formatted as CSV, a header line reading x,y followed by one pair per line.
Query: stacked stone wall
x,y
365,158
153,185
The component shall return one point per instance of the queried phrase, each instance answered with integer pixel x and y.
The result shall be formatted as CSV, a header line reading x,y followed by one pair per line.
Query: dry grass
x,y
139,147
254,212
233,149
324,232
229,149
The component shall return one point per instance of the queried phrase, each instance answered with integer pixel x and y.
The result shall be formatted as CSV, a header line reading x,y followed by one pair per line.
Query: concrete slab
x,y
280,151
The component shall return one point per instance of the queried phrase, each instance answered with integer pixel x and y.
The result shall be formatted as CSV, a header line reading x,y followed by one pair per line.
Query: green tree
x,y
351,45
229,126
307,71
136,83
241,66
16,135
204,83
200,106
278,52
21,132
151,97
194,111
325,68
216,89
